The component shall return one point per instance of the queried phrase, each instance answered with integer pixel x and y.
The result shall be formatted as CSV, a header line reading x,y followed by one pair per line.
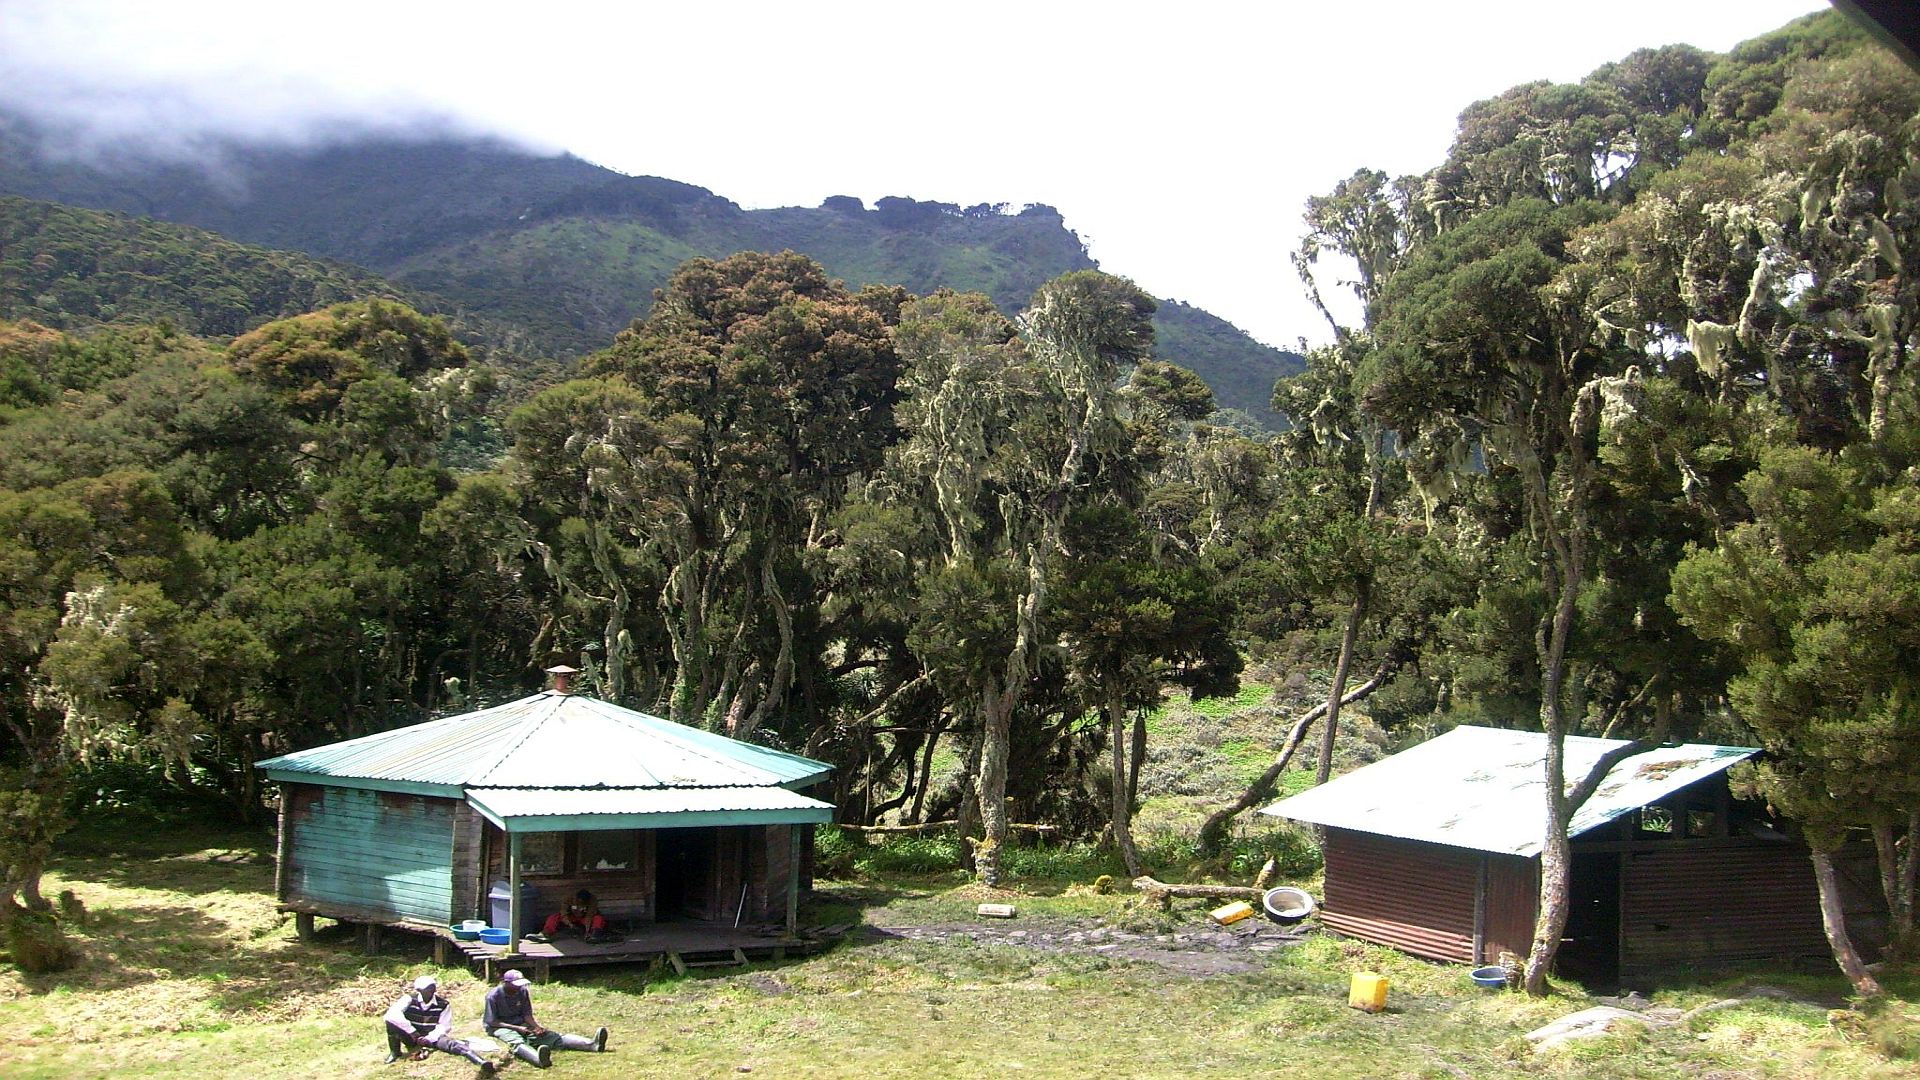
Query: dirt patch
x,y
1199,951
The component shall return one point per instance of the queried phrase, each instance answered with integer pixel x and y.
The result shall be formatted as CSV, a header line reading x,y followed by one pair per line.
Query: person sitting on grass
x,y
421,1021
509,1018
581,916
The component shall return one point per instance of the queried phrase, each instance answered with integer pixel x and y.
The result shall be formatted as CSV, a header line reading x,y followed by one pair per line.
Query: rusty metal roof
x,y
548,741
1484,788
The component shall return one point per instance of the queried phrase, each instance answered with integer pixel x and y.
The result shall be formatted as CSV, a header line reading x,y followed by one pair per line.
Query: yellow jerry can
x,y
1368,992
1232,913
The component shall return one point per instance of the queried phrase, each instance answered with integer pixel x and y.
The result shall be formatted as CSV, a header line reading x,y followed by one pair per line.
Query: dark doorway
x,y
1590,951
683,874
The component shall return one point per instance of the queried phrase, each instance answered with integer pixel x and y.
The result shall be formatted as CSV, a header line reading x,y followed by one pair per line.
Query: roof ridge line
x,y
680,741
526,732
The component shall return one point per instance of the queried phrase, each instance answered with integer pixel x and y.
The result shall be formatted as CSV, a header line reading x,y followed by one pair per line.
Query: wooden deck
x,y
679,945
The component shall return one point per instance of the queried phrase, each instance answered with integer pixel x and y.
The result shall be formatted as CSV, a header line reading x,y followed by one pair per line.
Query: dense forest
x,y
1626,443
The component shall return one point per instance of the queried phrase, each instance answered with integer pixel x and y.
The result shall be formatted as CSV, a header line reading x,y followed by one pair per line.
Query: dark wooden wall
x,y
1736,899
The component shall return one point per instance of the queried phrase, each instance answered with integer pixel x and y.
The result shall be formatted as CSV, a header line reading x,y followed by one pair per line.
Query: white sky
x,y
1181,140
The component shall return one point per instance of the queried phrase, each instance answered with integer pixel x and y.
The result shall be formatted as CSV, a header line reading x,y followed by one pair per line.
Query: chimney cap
x,y
562,678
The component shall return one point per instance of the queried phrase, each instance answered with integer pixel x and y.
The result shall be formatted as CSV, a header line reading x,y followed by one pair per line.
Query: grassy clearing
x,y
188,971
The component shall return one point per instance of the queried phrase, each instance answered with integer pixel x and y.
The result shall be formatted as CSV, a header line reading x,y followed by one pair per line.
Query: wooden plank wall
x,y
370,851
470,882
776,844
1413,896
732,855
1698,903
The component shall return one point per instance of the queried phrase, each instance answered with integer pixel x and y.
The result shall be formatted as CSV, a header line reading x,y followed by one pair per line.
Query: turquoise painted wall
x,y
373,851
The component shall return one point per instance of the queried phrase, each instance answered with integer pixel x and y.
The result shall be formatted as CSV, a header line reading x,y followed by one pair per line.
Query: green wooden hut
x,y
417,827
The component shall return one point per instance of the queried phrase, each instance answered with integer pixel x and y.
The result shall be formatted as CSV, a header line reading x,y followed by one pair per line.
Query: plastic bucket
x,y
1492,977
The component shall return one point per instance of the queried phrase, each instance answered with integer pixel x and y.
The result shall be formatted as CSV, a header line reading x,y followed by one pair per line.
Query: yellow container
x,y
1232,913
1368,992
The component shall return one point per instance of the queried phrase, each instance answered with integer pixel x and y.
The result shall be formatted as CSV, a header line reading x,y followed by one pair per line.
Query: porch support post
x,y
283,845
513,892
793,879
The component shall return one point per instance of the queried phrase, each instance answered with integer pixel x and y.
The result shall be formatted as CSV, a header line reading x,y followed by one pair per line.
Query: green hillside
x,y
567,253
71,269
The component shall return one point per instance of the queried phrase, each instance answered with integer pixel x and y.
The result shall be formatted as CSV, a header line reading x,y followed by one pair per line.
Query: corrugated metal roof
x,y
1484,789
522,803
551,741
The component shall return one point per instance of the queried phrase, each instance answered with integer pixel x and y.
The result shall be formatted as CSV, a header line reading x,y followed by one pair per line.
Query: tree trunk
x,y
1833,919
1562,572
1556,858
776,689
990,784
926,777
1323,770
1122,804
1895,856
614,639
1138,752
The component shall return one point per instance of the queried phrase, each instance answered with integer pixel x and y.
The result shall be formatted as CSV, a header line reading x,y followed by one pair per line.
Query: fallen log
x,y
930,826
1164,894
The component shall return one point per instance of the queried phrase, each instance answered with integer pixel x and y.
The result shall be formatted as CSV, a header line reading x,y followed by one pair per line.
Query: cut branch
x,y
1164,894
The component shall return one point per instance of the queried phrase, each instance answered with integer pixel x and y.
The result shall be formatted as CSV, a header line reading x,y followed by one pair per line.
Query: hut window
x,y
1656,819
609,850
543,853
1703,823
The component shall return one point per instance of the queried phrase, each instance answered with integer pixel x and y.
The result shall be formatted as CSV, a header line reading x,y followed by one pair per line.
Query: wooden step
x,y
716,958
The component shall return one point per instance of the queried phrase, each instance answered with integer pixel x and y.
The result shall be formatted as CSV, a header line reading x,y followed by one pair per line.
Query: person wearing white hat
x,y
422,1020
509,1018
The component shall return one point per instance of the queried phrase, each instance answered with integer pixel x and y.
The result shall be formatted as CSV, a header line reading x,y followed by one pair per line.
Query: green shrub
x,y
910,855
1062,862
834,852
36,943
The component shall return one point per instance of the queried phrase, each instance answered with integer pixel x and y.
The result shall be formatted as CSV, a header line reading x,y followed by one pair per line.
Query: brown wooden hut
x,y
1436,851
528,802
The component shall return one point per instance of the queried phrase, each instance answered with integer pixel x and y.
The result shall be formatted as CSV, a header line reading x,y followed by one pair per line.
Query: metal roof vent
x,y
562,678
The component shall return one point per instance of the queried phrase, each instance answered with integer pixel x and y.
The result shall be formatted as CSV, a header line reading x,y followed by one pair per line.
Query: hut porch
x,y
677,945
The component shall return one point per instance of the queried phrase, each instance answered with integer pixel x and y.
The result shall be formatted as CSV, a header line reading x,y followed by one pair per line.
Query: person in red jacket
x,y
581,916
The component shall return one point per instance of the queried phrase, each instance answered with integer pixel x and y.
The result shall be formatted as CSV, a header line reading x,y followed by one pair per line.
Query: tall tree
x,y
1474,334
771,387
1819,598
1004,437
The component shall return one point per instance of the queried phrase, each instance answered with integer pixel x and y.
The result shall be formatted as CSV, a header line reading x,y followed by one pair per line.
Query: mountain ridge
x,y
572,251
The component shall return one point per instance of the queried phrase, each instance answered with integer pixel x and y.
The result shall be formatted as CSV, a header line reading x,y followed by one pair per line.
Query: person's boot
x,y
600,1042
487,1068
578,1042
534,1055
